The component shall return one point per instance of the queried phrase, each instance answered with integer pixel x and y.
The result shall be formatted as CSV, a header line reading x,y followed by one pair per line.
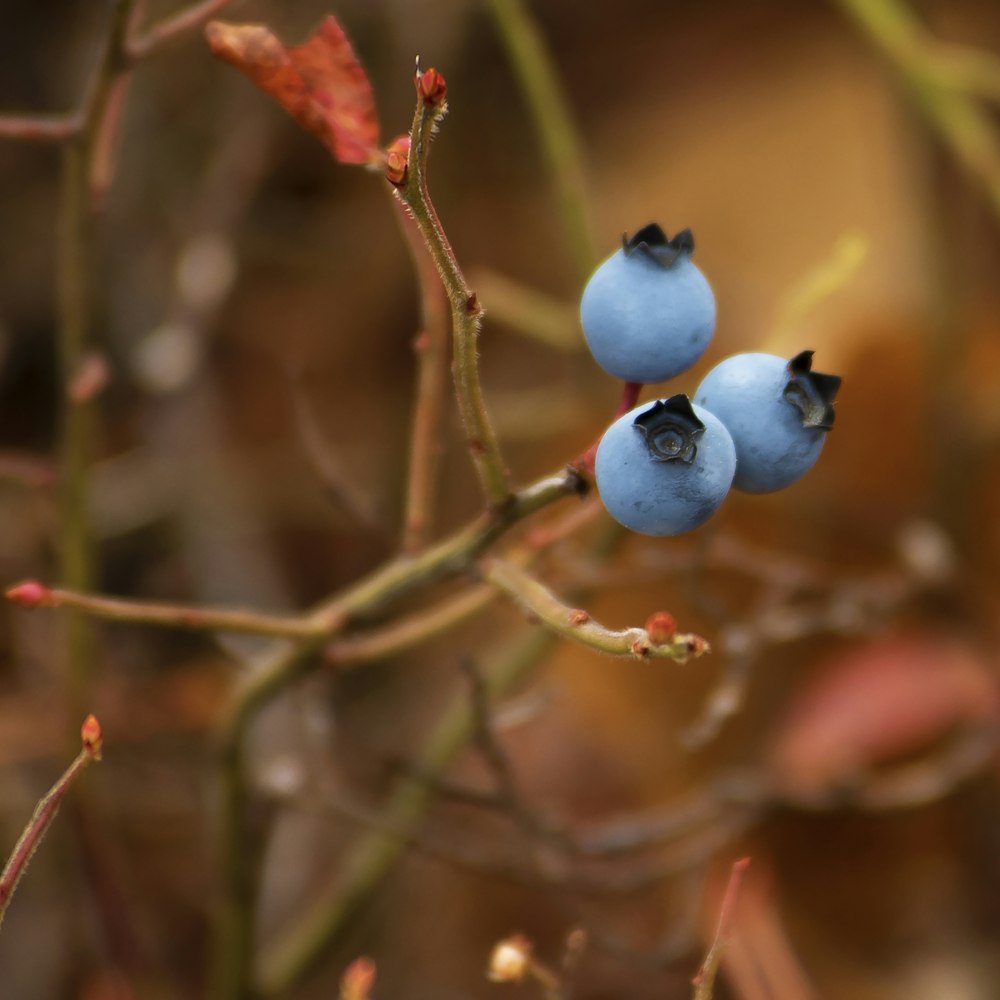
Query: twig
x,y
575,624
704,980
965,127
533,66
186,616
404,633
74,256
508,798
170,28
466,312
426,437
338,485
45,812
40,128
548,320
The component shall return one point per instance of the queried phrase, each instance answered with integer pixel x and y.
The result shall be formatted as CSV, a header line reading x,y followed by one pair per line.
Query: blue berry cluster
x,y
757,422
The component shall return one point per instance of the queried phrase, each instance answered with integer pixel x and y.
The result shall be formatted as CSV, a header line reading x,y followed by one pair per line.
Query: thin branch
x,y
75,252
170,28
40,128
536,73
404,633
704,980
428,412
529,312
575,624
965,127
185,616
45,812
466,312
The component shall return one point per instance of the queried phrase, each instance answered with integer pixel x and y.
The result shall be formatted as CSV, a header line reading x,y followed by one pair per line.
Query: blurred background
x,y
254,308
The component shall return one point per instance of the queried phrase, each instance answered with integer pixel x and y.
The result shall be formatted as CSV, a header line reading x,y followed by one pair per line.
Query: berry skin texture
x,y
647,312
664,468
777,412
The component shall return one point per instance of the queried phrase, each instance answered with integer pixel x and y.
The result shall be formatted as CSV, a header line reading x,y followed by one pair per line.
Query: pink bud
x,y
92,736
661,627
431,87
30,594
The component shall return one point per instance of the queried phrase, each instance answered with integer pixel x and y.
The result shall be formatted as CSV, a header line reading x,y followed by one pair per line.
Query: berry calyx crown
x,y
811,393
653,242
671,430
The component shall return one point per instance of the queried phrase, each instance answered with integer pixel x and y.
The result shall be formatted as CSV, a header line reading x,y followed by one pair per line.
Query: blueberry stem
x,y
584,462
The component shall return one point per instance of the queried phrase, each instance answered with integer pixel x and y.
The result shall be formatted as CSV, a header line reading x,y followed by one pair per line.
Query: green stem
x,y
535,71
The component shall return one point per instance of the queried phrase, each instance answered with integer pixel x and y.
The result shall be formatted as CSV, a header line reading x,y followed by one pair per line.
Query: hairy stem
x,y
466,313
577,625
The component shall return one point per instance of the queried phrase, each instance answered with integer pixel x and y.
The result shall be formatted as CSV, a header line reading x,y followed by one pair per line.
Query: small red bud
x,y
431,87
396,160
640,648
358,980
661,627
92,736
30,594
578,617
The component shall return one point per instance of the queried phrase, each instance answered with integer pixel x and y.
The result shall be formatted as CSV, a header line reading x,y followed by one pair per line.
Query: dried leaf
x,y
877,702
320,83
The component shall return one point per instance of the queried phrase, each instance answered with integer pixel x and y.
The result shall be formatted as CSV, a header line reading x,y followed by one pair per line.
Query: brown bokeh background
x,y
240,273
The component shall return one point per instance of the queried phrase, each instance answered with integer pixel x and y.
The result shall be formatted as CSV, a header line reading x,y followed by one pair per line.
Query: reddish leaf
x,y
880,701
320,83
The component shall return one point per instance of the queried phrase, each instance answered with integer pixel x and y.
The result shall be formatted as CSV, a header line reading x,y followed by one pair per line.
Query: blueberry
x,y
777,411
647,312
664,468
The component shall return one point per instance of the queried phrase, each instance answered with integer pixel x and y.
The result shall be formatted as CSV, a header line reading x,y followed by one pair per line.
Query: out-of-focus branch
x,y
536,74
704,981
45,812
152,39
942,95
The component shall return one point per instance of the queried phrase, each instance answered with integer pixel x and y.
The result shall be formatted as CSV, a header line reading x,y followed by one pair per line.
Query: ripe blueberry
x,y
777,411
647,312
664,468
